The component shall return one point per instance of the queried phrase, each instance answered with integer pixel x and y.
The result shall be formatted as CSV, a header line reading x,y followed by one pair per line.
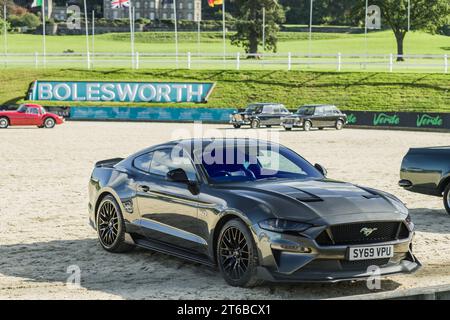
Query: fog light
x,y
296,248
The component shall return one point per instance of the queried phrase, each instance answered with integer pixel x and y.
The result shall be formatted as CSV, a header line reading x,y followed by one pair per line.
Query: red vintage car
x,y
29,115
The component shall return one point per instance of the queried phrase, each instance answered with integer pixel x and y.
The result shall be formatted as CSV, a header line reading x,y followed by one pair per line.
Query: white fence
x,y
237,61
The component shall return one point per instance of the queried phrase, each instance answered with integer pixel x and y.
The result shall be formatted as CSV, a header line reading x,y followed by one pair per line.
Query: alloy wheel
x,y
108,224
234,253
49,123
3,123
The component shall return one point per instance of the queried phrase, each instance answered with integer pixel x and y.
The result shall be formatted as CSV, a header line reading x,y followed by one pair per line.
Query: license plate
x,y
367,253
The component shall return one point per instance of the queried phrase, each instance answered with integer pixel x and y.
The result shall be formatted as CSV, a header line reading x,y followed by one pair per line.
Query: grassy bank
x,y
348,90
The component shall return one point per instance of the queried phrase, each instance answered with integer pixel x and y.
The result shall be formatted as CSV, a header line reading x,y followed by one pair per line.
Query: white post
x,y
43,34
264,29
36,61
409,15
238,61
130,16
176,30
5,30
223,30
391,62
310,25
93,34
137,60
189,60
86,26
289,61
198,36
445,63
339,61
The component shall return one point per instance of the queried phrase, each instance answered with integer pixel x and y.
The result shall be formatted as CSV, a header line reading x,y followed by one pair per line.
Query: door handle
x,y
143,188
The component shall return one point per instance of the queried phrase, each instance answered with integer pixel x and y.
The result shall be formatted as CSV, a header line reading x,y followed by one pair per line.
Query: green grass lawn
x,y
296,42
348,90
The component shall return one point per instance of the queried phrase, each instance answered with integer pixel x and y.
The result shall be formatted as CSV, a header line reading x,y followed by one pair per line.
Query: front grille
x,y
353,233
363,264
325,265
237,117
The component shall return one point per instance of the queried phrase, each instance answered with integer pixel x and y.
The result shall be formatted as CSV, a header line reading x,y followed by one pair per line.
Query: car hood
x,y
325,200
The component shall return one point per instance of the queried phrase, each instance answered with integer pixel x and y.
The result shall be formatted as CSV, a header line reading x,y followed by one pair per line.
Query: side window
x,y
277,110
32,111
319,111
163,161
268,109
327,110
335,110
284,110
143,162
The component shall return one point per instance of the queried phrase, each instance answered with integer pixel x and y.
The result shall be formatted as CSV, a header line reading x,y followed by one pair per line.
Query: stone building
x,y
156,10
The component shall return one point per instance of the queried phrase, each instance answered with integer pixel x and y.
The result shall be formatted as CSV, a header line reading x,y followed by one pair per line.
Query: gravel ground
x,y
43,210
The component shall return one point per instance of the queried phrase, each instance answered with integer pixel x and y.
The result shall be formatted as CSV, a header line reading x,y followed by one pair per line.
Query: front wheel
x,y
236,126
307,125
447,198
237,255
4,123
49,123
268,126
287,128
339,124
111,226
255,123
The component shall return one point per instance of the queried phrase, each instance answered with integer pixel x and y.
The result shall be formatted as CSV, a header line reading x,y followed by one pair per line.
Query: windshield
x,y
250,108
306,111
253,162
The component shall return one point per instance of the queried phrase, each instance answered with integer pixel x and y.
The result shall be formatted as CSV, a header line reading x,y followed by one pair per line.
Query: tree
x,y
249,24
427,15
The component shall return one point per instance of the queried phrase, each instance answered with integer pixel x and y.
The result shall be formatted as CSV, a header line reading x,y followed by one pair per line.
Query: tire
x,y
237,266
307,125
339,125
49,123
111,226
321,128
4,123
236,126
255,124
447,198
269,126
287,129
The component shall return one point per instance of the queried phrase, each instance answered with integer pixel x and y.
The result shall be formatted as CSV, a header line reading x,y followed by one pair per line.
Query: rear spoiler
x,y
108,163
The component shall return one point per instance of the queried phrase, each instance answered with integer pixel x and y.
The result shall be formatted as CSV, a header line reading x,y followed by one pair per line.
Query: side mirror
x,y
321,169
177,175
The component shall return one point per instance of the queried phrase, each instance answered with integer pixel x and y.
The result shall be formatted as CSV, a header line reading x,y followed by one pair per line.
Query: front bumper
x,y
292,123
289,258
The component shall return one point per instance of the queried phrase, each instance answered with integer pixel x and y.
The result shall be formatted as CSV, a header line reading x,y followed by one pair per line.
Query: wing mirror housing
x,y
321,169
179,175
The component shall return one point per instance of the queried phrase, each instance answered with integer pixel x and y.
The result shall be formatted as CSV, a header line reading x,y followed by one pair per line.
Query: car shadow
x,y
146,274
430,220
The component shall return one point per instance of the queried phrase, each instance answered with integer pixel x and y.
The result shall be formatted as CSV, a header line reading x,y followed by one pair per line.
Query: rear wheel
x,y
236,255
49,123
447,198
4,123
111,226
339,124
255,123
307,125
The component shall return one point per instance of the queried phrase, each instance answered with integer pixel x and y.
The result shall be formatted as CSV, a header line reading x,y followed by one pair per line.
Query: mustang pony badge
x,y
367,231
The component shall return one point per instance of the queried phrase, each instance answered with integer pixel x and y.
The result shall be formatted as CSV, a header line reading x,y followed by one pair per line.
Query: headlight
x,y
280,225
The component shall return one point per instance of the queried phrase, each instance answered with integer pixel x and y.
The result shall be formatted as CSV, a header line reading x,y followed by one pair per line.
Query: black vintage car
x,y
427,171
315,116
257,114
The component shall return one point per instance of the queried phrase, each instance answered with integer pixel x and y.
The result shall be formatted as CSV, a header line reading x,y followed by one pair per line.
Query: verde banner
x,y
398,119
95,91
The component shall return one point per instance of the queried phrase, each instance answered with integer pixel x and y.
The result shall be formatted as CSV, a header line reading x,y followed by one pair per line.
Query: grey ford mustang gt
x,y
256,209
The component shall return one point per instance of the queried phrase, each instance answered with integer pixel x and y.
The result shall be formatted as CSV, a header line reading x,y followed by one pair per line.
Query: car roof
x,y
317,105
200,143
33,105
265,104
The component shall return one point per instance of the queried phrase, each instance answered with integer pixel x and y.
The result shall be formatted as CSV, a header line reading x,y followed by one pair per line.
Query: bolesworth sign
x,y
399,119
140,92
